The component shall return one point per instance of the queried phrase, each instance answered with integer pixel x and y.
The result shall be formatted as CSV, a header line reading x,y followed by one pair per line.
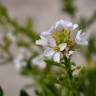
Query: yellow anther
x,y
56,49
57,36
66,35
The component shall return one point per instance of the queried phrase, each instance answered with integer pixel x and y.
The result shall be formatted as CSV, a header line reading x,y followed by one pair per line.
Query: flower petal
x,y
78,35
82,43
75,26
51,42
81,38
49,32
56,57
68,24
49,52
59,25
62,46
46,33
42,41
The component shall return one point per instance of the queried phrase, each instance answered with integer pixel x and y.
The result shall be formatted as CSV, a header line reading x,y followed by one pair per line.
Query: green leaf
x,y
23,93
69,7
3,11
29,23
1,92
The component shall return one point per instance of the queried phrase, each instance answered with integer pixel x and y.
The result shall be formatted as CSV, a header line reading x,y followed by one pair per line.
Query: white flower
x,y
38,62
60,26
19,61
54,50
81,38
22,55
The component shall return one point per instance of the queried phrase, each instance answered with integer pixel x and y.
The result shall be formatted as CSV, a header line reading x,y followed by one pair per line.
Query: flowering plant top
x,y
58,40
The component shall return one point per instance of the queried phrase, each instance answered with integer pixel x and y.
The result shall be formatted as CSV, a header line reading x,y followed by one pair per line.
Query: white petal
x,y
19,63
51,42
59,25
68,24
81,38
84,36
56,57
82,43
62,46
46,33
43,41
75,26
49,52
49,32
78,35
42,37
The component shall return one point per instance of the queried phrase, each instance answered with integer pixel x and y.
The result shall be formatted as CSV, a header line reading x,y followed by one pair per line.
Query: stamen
x,y
56,49
57,36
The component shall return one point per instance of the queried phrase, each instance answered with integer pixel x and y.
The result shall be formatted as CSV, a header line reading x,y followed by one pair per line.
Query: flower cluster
x,y
58,40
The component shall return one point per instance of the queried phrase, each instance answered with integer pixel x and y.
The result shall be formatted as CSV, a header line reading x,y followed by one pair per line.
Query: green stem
x,y
68,67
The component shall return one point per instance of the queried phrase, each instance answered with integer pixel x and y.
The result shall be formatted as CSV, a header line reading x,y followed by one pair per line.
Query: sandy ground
x,y
44,13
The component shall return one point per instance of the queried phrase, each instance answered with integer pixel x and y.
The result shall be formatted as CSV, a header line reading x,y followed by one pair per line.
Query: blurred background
x,y
44,13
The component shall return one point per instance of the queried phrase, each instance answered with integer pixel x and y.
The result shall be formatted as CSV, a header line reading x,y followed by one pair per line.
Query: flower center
x,y
66,34
56,36
56,49
63,36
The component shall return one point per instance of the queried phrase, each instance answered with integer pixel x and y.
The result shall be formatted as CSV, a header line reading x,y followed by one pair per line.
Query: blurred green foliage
x,y
23,93
69,7
7,20
1,91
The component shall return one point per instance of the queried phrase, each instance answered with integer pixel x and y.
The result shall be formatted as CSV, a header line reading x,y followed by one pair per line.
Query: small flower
x,y
38,62
21,58
54,50
81,38
19,61
59,38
